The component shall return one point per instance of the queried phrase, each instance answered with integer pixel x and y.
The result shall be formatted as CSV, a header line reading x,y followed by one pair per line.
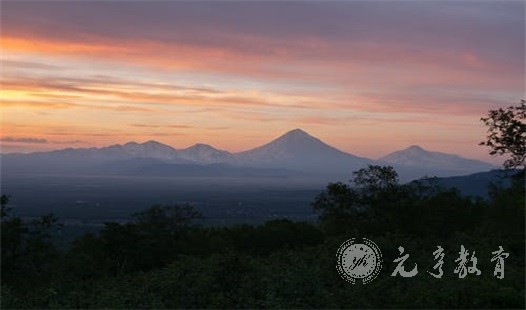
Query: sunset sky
x,y
366,77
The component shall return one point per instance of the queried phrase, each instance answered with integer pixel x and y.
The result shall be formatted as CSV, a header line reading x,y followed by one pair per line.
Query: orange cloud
x,y
39,104
143,94
308,59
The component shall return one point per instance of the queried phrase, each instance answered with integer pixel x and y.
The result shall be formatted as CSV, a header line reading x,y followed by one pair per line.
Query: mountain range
x,y
292,154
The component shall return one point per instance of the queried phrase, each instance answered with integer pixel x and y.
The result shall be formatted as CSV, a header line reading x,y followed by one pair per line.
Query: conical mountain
x,y
298,149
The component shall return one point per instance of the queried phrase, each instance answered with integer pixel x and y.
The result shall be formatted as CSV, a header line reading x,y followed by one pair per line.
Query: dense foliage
x,y
162,260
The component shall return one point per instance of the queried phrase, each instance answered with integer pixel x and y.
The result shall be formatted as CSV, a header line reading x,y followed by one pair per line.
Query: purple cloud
x,y
24,140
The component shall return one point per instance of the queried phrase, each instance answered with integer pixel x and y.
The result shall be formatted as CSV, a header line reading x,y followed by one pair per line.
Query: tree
x,y
375,194
12,236
338,200
26,247
507,134
4,200
342,200
374,178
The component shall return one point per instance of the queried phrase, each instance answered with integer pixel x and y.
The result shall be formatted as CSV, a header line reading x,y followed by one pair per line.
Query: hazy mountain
x,y
87,160
205,153
295,152
416,161
149,149
297,149
477,184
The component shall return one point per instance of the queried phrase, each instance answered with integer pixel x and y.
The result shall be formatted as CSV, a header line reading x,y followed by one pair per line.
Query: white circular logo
x,y
359,260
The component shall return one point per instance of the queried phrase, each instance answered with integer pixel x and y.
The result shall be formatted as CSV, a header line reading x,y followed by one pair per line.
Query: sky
x,y
368,77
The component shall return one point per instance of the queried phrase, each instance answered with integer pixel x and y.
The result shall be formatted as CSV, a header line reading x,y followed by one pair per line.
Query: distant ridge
x,y
295,150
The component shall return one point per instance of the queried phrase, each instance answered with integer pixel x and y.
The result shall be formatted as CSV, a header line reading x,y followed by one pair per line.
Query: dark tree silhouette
x,y
375,178
507,134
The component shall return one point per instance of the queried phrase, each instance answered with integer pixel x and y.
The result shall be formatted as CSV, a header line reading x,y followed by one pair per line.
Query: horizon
x,y
237,75
292,131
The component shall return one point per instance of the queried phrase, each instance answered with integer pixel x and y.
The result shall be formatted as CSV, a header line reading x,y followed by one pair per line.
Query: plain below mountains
x,y
296,153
